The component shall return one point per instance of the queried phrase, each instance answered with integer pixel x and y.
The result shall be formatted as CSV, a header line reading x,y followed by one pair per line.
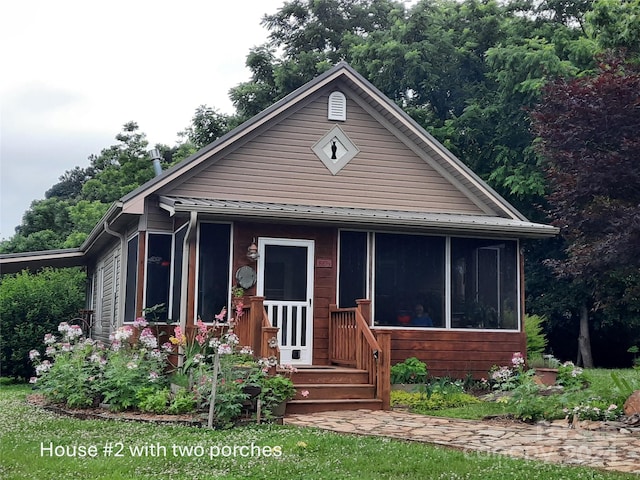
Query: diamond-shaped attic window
x,y
335,150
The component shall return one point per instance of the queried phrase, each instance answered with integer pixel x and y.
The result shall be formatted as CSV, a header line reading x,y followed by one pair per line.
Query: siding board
x,y
279,166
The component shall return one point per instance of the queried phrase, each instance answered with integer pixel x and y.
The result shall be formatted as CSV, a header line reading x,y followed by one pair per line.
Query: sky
x,y
75,71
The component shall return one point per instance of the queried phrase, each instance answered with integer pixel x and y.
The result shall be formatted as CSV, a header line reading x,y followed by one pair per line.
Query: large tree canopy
x,y
589,139
588,128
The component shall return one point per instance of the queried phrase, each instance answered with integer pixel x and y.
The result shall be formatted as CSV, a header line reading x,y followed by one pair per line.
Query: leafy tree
x,y
588,128
32,305
616,26
207,125
119,168
71,183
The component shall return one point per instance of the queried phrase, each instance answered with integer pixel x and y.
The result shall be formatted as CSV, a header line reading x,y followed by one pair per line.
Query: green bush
x,y
421,403
183,402
536,338
32,305
153,400
410,371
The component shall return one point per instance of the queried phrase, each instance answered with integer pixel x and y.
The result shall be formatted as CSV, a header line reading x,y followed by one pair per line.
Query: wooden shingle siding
x,y
456,353
278,166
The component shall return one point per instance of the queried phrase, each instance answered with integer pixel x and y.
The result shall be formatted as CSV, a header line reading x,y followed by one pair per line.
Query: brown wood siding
x,y
324,278
279,166
456,354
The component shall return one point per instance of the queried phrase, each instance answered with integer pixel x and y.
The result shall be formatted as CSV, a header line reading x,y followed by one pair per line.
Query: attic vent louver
x,y
337,107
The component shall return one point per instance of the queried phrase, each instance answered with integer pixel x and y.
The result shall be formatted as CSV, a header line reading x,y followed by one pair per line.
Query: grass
x,y
306,453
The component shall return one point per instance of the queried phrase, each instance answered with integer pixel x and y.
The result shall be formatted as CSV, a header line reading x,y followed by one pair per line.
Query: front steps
x,y
332,388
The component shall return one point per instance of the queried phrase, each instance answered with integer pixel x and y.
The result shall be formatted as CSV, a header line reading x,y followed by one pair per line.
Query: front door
x,y
285,279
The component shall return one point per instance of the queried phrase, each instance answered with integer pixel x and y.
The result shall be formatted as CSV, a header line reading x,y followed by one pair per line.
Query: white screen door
x,y
285,279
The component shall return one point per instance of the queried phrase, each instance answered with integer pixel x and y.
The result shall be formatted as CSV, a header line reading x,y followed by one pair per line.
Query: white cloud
x,y
75,71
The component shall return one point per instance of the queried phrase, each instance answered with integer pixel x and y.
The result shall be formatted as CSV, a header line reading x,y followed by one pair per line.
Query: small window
x,y
353,267
158,272
131,281
337,107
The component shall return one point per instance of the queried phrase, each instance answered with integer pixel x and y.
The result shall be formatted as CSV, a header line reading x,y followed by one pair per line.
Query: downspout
x,y
123,268
185,269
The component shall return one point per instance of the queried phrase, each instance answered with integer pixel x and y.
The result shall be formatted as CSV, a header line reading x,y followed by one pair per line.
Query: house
x,y
330,196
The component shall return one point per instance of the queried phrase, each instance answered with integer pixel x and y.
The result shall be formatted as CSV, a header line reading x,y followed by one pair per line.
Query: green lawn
x,y
305,453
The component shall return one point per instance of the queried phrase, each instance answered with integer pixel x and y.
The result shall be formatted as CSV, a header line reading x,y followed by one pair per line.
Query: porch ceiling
x,y
440,222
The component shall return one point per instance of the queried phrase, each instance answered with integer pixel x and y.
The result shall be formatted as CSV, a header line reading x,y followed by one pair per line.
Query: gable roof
x,y
408,130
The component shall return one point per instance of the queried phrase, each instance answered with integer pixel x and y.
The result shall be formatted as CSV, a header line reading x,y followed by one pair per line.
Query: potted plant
x,y
276,391
545,368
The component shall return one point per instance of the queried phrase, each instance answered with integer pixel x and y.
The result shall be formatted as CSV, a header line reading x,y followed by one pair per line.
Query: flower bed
x,y
133,372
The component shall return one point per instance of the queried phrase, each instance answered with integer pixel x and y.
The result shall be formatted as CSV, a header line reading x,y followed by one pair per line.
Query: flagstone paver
x,y
552,443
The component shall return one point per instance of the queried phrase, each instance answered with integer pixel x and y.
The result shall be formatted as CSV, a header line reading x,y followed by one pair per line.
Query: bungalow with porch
x,y
357,238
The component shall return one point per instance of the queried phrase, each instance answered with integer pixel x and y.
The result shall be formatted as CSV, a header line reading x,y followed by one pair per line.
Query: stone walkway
x,y
551,443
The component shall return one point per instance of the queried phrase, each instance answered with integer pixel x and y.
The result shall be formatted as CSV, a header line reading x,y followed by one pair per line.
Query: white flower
x,y
73,332
153,376
148,339
123,333
33,354
50,351
43,367
49,339
225,349
246,350
95,358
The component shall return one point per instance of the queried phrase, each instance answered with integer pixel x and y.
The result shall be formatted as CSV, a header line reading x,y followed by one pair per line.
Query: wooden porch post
x,y
364,305
383,387
256,312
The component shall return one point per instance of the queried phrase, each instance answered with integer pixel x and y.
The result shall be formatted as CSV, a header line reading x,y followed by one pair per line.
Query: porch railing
x,y
255,330
353,344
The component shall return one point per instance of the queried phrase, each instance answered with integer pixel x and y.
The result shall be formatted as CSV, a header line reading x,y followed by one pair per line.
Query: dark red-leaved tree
x,y
589,130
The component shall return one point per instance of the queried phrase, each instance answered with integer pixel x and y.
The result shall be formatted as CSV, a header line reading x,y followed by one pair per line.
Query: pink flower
x,y
178,337
304,393
140,322
222,314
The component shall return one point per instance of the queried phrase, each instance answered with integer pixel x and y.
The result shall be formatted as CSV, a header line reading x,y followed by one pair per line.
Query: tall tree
x,y
119,168
589,139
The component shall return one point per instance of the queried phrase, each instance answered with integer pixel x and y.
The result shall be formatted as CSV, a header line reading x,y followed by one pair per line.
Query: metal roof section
x,y
436,222
15,262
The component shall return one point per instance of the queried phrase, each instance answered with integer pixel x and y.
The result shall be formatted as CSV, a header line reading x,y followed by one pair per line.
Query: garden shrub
x,y
410,371
32,305
131,372
81,372
421,403
536,338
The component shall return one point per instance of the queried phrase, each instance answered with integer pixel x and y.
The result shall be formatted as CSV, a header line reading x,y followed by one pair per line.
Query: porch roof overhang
x,y
354,217
15,262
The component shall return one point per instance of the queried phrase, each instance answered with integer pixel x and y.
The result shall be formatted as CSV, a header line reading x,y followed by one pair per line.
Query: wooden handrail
x,y
353,344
